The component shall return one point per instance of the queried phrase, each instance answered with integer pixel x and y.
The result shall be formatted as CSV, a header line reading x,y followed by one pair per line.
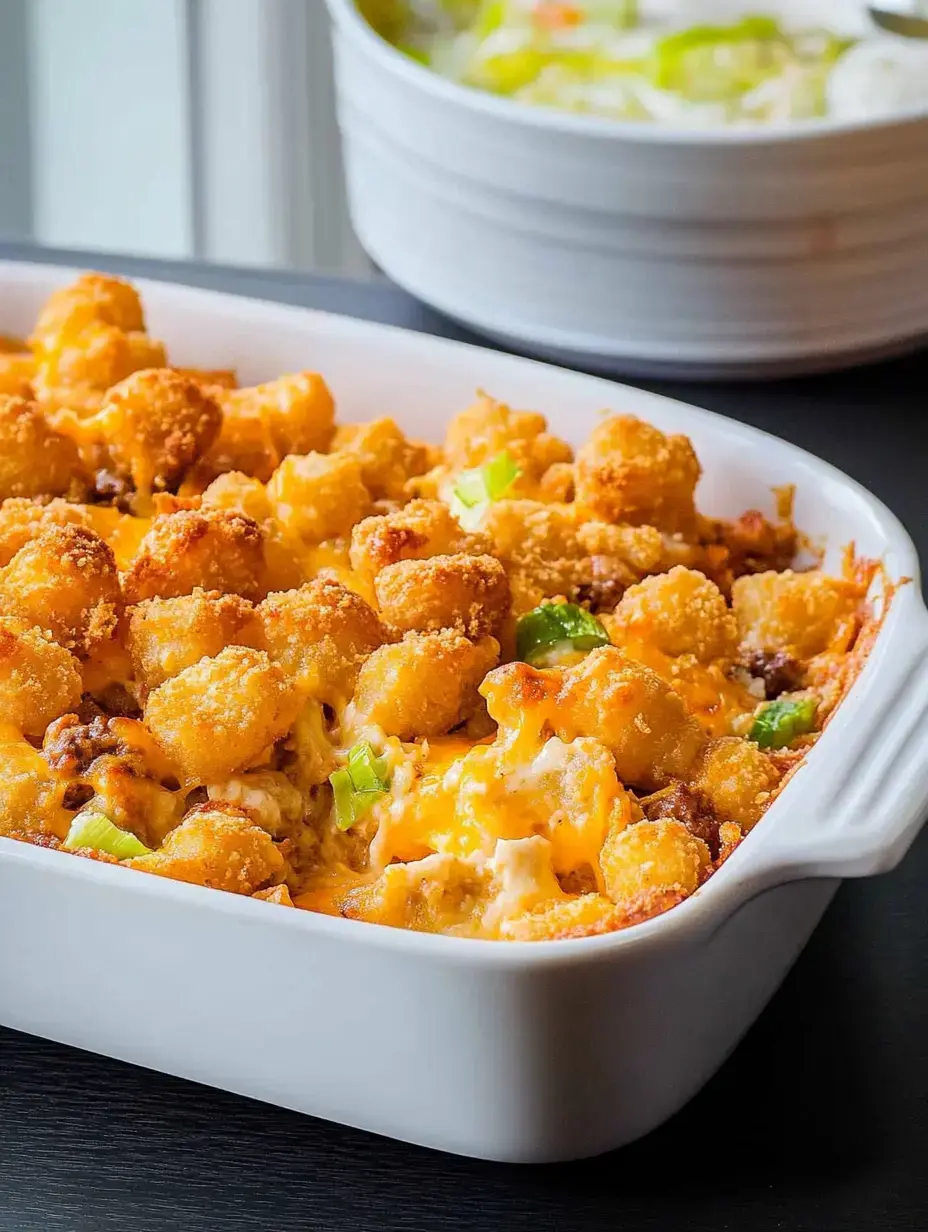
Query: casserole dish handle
x,y
864,808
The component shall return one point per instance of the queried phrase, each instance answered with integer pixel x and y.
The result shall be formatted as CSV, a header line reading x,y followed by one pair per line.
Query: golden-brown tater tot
x,y
22,519
88,336
16,373
629,471
239,493
681,613
438,892
39,679
222,715
649,866
424,685
209,548
467,593
737,778
155,425
65,580
98,297
320,635
167,635
562,919
548,551
388,460
210,378
30,792
216,845
634,713
417,531
35,460
319,496
800,613
298,409
489,427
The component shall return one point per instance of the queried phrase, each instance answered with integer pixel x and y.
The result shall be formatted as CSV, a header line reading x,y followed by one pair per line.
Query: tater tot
x,y
39,679
319,496
467,593
548,550
417,531
634,713
89,336
388,460
651,865
99,297
561,919
156,424
30,792
209,548
239,493
424,685
22,519
298,409
320,635
799,613
35,460
16,373
737,778
66,581
629,471
681,613
218,846
489,427
222,714
165,636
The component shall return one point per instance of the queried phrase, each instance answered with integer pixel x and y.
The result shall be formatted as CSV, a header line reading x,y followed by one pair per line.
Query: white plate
x,y
512,1051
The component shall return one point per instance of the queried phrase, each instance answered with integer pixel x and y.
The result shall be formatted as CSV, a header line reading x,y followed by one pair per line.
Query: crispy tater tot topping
x,y
480,686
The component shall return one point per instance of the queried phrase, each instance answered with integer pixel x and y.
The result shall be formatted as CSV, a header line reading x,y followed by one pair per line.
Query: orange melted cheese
x,y
711,696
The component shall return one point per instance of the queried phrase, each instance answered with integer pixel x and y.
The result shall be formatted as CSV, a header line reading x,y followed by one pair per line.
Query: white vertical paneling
x,y
110,125
270,182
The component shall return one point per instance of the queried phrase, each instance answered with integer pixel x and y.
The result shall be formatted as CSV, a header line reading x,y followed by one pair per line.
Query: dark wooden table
x,y
818,1123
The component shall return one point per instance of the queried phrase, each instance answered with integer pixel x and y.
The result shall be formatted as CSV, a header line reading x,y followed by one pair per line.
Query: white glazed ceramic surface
x,y
512,1051
636,247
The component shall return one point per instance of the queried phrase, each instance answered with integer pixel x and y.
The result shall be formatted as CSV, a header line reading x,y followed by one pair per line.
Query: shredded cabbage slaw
x,y
631,61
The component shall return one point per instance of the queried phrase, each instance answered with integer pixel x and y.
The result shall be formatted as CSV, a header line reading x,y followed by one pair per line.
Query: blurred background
x,y
174,128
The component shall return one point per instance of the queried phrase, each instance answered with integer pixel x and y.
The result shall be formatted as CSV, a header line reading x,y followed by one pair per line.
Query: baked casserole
x,y
489,688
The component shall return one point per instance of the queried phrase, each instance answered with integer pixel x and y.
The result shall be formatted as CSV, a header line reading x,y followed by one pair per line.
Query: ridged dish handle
x,y
859,804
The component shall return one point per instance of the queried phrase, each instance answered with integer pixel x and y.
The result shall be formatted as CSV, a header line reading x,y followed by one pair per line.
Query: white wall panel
x,y
110,125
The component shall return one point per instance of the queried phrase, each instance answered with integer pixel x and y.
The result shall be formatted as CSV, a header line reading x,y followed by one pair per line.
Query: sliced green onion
x,y
475,490
96,831
357,786
719,62
547,632
778,724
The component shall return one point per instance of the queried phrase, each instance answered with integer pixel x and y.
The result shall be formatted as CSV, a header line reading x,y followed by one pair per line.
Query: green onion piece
x,y
718,62
476,489
357,786
96,831
542,633
778,724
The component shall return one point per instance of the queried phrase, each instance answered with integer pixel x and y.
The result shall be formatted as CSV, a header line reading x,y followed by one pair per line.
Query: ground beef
x,y
780,672
689,807
72,746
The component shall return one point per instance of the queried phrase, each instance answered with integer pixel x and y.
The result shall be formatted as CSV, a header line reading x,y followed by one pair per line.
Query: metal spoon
x,y
908,25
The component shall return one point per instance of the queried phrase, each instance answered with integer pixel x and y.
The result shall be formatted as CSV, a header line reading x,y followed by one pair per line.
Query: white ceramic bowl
x,y
635,247
505,1050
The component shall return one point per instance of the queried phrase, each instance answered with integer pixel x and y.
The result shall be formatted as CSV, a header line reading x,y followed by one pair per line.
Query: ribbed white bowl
x,y
642,248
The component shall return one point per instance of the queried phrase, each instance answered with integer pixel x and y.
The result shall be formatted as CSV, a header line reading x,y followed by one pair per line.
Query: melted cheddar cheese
x,y
293,659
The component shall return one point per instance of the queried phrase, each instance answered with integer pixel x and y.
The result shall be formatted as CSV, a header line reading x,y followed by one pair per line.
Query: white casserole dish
x,y
633,247
505,1050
